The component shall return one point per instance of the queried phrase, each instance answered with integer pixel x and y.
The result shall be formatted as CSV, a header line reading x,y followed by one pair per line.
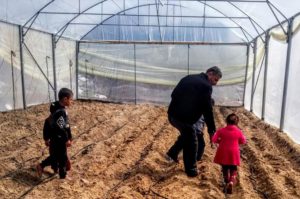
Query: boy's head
x,y
65,96
232,119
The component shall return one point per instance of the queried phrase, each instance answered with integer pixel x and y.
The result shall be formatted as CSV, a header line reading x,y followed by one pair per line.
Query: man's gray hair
x,y
215,70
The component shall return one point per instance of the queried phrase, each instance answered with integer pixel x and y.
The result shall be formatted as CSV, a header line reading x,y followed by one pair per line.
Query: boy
x,y
199,127
57,135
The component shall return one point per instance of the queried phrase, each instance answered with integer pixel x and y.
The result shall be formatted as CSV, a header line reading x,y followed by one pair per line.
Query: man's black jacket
x,y
191,98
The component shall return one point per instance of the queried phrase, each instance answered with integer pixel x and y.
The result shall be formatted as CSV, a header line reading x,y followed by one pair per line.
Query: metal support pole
x,y
173,26
54,67
47,57
71,73
265,75
246,73
188,60
13,54
77,70
21,40
94,84
253,74
86,79
134,49
287,69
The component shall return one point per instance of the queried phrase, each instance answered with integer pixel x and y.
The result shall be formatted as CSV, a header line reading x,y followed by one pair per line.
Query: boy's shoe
x,y
39,170
171,159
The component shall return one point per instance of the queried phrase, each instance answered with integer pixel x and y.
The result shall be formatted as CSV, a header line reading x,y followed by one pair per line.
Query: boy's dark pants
x,y
186,141
201,146
58,157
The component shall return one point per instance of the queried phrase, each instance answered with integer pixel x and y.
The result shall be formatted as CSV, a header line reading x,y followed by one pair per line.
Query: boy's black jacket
x,y
56,126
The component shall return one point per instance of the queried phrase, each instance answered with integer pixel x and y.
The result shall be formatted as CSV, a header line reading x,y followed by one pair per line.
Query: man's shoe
x,y
192,173
171,158
62,173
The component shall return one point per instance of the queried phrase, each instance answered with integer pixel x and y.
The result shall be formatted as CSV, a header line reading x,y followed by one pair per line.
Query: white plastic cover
x,y
210,20
148,73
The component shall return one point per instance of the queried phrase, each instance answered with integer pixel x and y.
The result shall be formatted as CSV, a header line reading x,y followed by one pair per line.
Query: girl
x,y
228,152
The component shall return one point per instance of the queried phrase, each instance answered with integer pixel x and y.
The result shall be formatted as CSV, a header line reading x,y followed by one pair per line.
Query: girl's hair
x,y
232,119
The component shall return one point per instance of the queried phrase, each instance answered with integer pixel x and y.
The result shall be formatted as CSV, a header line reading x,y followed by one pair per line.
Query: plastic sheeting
x,y
65,62
275,82
10,70
39,83
150,20
274,90
38,67
114,65
292,116
148,73
259,79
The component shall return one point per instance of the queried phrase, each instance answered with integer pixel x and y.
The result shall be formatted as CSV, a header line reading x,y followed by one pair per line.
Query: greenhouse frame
x,y
136,52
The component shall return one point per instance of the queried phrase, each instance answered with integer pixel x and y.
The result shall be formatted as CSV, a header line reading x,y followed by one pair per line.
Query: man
x,y
191,98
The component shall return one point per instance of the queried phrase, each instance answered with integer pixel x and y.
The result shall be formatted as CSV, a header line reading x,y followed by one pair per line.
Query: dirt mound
x,y
119,152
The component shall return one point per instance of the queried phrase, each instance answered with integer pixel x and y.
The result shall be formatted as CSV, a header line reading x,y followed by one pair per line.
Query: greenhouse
x,y
135,52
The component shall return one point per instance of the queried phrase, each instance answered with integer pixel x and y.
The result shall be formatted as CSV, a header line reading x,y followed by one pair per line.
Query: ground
x,y
119,150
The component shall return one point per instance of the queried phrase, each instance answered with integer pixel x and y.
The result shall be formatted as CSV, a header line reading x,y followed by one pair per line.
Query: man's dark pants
x,y
186,141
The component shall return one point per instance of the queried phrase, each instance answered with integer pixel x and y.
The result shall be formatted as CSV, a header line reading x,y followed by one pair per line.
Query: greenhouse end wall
x,y
139,73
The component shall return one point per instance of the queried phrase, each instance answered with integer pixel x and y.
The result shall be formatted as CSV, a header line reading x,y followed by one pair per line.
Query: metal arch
x,y
138,6
64,27
270,6
35,16
245,35
165,4
251,20
199,1
249,1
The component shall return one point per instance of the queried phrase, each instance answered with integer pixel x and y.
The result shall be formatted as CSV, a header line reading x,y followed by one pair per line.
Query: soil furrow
x,y
119,151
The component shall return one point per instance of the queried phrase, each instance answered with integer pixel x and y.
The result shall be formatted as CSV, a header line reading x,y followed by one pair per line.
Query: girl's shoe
x,y
229,187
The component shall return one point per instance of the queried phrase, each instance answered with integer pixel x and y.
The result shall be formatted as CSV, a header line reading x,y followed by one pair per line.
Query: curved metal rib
x,y
33,18
144,5
244,31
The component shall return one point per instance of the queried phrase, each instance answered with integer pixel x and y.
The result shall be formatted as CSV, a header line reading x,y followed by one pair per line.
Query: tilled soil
x,y
118,151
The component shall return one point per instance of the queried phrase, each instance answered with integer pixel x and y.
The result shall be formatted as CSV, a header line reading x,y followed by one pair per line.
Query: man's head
x,y
214,75
65,96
